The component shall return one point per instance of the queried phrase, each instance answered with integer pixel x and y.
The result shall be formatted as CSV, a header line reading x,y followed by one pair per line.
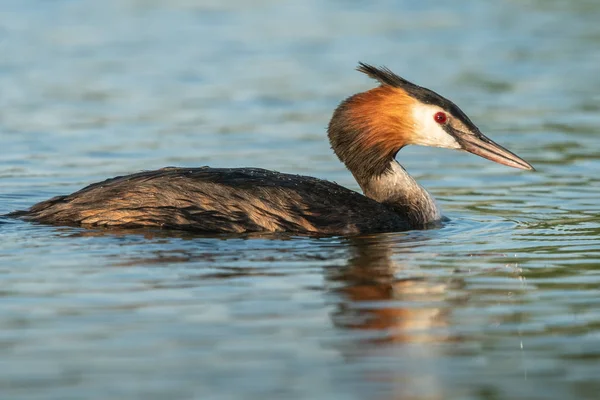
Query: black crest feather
x,y
384,75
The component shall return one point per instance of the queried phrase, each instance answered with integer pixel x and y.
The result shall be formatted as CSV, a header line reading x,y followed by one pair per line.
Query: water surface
x,y
502,302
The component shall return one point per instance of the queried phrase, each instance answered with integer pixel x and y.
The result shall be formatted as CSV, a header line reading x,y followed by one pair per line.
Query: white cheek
x,y
428,132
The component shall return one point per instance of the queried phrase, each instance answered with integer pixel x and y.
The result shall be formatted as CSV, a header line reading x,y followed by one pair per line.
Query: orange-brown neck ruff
x,y
367,130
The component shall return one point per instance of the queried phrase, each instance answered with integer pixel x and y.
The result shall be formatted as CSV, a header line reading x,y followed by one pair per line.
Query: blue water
x,y
502,302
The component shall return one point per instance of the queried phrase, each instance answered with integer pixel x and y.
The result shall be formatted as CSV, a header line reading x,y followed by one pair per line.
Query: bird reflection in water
x,y
402,318
375,296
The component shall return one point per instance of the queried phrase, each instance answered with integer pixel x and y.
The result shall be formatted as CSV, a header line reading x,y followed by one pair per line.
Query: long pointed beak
x,y
480,145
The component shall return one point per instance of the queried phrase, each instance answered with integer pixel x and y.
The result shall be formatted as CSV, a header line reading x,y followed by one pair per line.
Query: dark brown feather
x,y
219,200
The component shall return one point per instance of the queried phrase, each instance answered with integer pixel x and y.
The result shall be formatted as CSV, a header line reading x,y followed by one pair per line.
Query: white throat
x,y
427,132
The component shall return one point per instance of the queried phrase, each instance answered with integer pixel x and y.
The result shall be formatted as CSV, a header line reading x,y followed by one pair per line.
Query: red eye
x,y
440,117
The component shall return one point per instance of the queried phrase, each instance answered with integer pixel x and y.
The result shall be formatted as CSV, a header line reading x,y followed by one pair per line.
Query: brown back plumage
x,y
233,200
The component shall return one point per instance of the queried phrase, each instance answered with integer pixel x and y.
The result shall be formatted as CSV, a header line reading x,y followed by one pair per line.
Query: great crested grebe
x,y
365,132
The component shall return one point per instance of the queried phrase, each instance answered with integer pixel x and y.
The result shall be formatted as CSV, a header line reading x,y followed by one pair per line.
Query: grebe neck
x,y
398,190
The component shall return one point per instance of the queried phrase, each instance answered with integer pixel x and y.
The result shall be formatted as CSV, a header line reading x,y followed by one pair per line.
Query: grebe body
x,y
366,131
231,200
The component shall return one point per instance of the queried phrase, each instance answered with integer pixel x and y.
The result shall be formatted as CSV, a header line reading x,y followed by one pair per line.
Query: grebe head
x,y
369,128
